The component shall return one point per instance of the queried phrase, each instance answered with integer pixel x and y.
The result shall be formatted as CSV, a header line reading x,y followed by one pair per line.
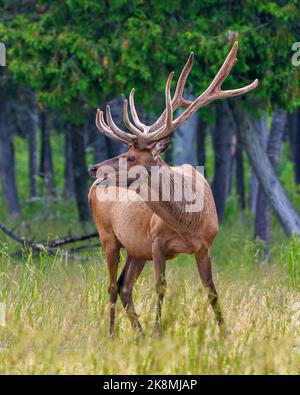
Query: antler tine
x,y
169,110
239,91
142,139
134,114
225,69
165,130
120,133
178,99
103,128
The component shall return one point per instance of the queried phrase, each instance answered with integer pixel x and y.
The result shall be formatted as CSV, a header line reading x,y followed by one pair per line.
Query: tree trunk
x,y
222,148
200,140
291,132
184,142
240,179
169,154
68,165
264,172
8,163
232,165
101,150
32,147
297,150
263,217
46,164
260,125
80,172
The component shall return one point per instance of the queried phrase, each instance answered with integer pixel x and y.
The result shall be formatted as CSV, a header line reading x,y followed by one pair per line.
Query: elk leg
x,y
205,271
112,254
160,275
122,276
129,275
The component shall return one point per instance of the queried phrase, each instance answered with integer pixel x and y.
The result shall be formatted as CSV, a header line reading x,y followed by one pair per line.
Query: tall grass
x,y
290,259
57,306
57,315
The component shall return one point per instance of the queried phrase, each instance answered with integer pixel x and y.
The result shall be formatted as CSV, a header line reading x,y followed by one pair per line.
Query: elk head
x,y
146,143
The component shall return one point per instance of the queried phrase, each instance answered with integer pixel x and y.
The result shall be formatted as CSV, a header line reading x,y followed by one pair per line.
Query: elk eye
x,y
131,158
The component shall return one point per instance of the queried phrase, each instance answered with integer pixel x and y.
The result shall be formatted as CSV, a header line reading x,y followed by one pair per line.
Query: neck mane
x,y
172,208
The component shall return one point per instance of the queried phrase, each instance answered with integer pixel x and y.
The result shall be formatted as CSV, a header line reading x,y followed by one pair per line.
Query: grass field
x,y
57,311
57,314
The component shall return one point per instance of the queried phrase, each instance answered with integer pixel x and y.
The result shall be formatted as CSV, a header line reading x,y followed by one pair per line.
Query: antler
x,y
142,134
112,130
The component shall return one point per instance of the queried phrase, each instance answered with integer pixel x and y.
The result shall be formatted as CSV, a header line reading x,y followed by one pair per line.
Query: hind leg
x,y
129,275
205,271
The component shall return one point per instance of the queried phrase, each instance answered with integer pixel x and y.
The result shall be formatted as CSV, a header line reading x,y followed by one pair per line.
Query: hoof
x,y
157,331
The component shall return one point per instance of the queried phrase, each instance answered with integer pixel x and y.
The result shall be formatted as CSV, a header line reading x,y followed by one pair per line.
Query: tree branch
x,y
42,246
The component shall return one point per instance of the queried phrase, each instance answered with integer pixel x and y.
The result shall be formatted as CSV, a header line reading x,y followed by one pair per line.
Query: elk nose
x,y
92,171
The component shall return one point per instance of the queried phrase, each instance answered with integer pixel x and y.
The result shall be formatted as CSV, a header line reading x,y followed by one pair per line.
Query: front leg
x,y
159,259
112,250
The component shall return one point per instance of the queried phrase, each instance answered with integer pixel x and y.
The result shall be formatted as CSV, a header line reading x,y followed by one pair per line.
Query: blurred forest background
x,y
66,59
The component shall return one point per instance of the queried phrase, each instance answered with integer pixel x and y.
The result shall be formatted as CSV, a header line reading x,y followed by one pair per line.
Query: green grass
x,y
57,314
57,311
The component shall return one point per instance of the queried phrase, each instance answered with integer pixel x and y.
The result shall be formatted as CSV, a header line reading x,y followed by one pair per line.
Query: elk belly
x,y
130,221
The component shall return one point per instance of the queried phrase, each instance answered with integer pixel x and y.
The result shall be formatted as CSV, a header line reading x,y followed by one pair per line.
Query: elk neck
x,y
167,207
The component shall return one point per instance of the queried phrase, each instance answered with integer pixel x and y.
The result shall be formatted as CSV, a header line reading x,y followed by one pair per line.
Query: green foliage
x,y
78,53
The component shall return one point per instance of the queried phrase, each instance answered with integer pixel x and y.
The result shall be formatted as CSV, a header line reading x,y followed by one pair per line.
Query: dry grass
x,y
57,319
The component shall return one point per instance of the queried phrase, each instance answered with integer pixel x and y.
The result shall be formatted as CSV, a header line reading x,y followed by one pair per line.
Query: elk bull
x,y
155,229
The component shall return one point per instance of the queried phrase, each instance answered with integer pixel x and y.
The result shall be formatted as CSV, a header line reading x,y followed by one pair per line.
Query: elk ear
x,y
160,146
